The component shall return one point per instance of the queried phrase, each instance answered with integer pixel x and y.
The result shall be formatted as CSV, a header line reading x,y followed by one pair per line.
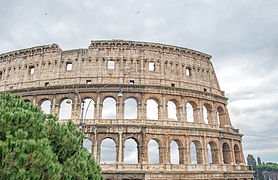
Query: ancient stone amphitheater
x,y
158,108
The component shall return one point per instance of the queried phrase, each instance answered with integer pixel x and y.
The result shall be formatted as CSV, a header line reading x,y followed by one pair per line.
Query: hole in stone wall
x,y
108,151
130,152
109,108
152,109
130,109
188,71
110,64
46,106
151,66
69,66
172,110
174,152
189,113
31,70
89,107
88,82
87,143
65,109
153,152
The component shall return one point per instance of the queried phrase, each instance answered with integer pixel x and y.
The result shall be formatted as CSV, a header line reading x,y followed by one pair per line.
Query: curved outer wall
x,y
142,71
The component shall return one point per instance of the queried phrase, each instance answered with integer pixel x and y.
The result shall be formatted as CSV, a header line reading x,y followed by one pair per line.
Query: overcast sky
x,y
241,36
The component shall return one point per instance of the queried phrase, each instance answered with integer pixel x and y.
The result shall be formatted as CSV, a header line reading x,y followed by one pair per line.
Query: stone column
x,y
120,149
214,116
187,151
120,108
76,109
95,145
232,153
167,155
163,109
98,108
221,159
206,161
196,114
182,155
242,159
162,154
53,108
180,113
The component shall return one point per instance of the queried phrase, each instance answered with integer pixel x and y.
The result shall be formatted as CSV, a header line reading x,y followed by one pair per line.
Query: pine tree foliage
x,y
35,146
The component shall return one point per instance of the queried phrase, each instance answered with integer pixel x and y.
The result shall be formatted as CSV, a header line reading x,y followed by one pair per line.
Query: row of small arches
x,y
131,154
109,109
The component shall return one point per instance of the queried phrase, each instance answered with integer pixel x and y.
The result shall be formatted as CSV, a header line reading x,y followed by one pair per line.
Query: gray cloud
x,y
240,35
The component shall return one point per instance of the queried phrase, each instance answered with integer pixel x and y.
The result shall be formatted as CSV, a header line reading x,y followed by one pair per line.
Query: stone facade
x,y
141,71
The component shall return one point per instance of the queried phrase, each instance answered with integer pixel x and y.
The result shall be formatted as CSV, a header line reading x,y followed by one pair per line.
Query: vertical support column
x,y
201,114
196,114
95,145
214,116
56,106
167,155
242,159
143,157
187,151
53,108
210,116
232,153
76,110
206,161
182,155
119,106
120,149
200,154
162,153
221,155
183,117
163,108
180,113
98,109
98,151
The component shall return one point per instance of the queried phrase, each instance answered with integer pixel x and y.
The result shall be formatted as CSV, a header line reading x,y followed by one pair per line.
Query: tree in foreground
x,y
35,146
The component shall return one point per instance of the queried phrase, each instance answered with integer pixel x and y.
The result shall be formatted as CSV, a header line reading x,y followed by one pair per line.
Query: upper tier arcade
x,y
109,61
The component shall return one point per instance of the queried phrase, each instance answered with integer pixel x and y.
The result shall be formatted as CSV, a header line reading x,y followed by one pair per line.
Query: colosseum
x,y
148,110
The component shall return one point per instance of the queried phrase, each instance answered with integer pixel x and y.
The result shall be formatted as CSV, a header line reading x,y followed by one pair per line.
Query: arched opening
x,y
152,109
221,116
172,110
89,107
174,153
87,143
130,109
189,113
46,106
237,154
65,109
193,153
196,155
109,108
27,100
131,152
108,151
153,152
226,153
205,115
213,157
209,154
